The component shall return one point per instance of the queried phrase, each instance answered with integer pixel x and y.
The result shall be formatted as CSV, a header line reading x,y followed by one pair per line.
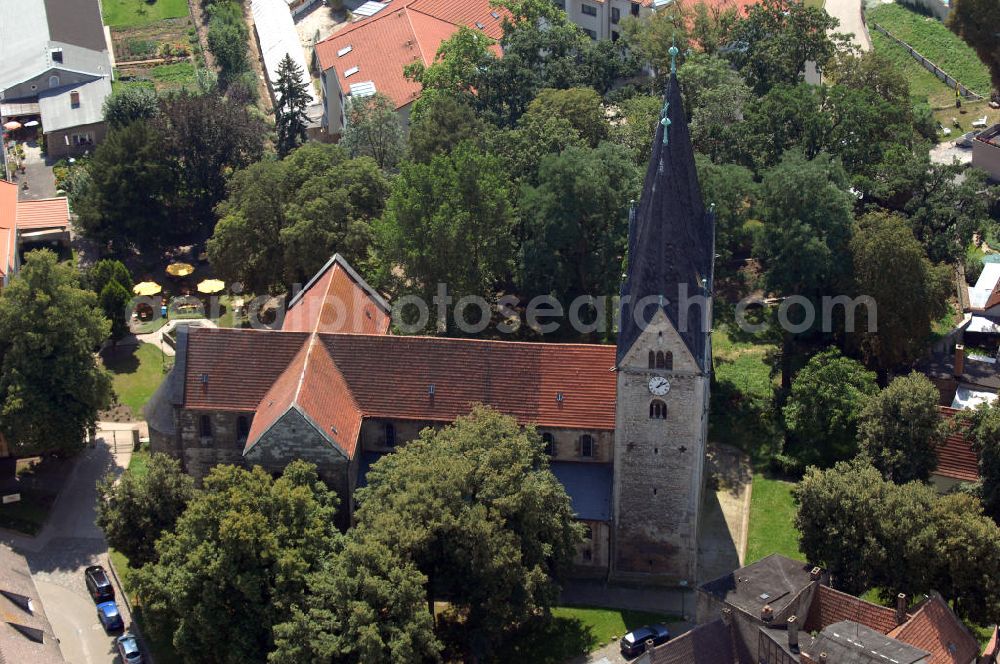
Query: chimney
x,y
815,573
823,658
793,633
900,609
650,645
74,99
959,368
727,616
767,613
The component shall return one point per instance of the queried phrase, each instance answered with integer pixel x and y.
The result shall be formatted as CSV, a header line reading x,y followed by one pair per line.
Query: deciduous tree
x,y
581,107
440,121
983,432
130,103
51,384
975,21
373,130
135,510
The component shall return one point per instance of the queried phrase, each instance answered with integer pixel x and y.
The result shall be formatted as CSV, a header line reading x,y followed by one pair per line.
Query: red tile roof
x,y
240,365
8,217
45,213
382,45
831,606
520,379
956,458
936,629
337,299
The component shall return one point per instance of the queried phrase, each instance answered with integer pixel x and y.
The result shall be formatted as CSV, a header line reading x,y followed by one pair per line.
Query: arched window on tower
x,y
657,410
549,443
668,361
390,434
652,360
661,362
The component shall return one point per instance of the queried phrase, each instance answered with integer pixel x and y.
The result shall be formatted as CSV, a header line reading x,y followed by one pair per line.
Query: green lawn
x,y
176,74
772,520
29,514
936,42
137,372
576,631
132,13
923,84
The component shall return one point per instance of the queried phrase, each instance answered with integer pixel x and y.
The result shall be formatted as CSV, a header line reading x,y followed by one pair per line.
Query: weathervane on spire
x,y
665,121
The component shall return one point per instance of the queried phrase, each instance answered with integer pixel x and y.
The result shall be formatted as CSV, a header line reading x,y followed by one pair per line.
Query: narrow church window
x,y
661,362
206,426
652,360
586,446
657,410
668,361
390,434
588,555
548,441
589,533
242,428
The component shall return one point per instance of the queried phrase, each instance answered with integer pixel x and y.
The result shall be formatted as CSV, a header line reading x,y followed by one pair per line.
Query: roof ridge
x,y
368,20
467,340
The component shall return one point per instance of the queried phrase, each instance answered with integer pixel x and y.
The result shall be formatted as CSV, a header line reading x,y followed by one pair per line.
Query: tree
x,y
373,130
290,112
237,561
365,604
715,96
51,385
105,271
776,40
733,192
449,222
824,407
115,301
900,429
786,118
522,149
135,510
580,106
975,21
440,121
127,202
476,509
652,36
576,225
228,40
907,298
130,103
284,219
983,431
635,125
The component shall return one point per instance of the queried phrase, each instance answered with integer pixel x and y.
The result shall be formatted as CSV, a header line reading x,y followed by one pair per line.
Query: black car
x,y
99,584
634,643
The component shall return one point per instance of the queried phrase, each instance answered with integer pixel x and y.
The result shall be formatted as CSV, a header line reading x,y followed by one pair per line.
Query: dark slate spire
x,y
673,244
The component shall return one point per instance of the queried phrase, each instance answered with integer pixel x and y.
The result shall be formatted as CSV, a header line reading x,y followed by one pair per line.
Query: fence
x,y
946,78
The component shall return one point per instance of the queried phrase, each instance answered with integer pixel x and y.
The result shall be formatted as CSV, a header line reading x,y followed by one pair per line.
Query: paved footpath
x,y
68,544
848,12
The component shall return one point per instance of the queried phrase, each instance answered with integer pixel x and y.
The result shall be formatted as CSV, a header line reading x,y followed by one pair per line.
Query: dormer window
x,y
57,55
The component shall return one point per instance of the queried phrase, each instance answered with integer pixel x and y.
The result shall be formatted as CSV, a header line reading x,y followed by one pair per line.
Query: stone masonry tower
x,y
664,365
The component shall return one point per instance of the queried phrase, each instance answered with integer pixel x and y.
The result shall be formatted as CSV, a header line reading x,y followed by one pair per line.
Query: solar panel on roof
x,y
369,9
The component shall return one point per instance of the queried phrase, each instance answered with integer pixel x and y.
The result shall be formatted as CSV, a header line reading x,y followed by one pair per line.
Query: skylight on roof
x,y
344,51
352,71
494,15
480,25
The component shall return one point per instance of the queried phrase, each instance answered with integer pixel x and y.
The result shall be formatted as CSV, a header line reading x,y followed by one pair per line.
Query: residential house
x,y
27,225
602,19
986,151
55,67
782,611
625,425
370,55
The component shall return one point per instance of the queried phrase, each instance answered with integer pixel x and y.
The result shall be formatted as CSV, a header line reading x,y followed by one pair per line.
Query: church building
x,y
625,425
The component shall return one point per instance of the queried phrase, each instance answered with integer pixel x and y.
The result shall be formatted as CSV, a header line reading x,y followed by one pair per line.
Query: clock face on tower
x,y
659,385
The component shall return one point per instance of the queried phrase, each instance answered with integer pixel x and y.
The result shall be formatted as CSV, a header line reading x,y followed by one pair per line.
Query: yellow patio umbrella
x,y
147,288
211,286
180,269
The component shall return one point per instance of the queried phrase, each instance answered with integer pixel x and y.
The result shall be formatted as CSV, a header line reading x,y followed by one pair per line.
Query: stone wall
x,y
659,462
199,454
594,553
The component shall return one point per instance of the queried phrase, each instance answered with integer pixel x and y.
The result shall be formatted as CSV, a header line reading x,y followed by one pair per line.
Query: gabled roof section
x,y
232,369
831,606
559,385
404,32
711,643
8,221
936,629
673,245
956,458
848,641
773,580
337,299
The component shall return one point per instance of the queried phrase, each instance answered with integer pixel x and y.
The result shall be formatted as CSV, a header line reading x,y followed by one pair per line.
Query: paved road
x,y
68,543
848,12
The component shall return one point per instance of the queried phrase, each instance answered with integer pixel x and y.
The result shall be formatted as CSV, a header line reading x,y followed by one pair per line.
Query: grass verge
x,y
772,520
137,371
132,13
576,630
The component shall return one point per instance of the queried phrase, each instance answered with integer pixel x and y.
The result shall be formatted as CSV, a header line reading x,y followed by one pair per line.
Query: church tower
x,y
663,364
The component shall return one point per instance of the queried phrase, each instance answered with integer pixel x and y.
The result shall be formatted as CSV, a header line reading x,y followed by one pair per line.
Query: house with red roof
x,y
783,611
370,55
624,425
27,225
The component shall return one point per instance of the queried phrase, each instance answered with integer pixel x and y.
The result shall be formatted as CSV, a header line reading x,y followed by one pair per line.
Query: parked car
x,y
965,140
111,620
99,584
128,649
634,643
